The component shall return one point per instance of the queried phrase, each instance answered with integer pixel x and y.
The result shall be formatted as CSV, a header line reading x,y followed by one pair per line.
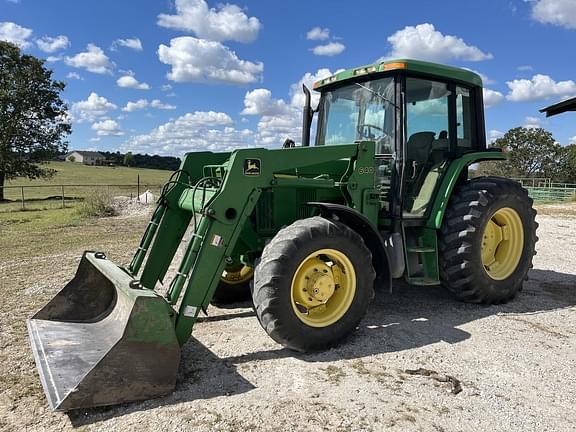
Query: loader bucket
x,y
104,340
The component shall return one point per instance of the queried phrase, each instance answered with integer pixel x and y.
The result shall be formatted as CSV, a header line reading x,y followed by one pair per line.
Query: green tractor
x,y
310,231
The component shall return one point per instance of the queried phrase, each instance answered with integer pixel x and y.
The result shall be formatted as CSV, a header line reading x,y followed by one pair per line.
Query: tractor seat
x,y
419,144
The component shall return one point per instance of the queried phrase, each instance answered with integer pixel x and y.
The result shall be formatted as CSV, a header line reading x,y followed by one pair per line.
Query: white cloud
x,y
228,22
92,108
107,128
15,34
424,42
273,130
141,104
260,102
97,139
53,59
128,81
492,97
573,140
532,122
280,120
297,96
538,88
74,75
329,49
318,33
132,43
198,131
494,134
93,60
52,44
205,118
199,60
135,106
524,68
167,88
162,106
557,12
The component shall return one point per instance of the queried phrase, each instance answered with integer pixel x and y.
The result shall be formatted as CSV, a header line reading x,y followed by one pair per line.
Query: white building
x,y
85,157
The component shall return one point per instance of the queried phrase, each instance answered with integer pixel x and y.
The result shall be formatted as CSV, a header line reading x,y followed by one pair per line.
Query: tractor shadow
x,y
409,317
202,375
416,316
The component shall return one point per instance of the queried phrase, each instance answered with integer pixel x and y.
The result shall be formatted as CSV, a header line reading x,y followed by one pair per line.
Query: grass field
x,y
50,194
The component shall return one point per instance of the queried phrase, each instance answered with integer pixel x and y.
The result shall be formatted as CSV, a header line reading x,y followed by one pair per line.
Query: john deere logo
x,y
252,167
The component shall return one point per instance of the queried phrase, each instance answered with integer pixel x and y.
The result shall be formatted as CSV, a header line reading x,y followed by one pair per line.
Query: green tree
x,y
129,159
568,164
532,152
33,118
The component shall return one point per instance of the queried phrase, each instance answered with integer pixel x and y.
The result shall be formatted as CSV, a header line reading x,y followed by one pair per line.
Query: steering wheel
x,y
368,126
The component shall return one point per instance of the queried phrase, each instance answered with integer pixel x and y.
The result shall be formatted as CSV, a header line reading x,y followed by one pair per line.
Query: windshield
x,y
358,111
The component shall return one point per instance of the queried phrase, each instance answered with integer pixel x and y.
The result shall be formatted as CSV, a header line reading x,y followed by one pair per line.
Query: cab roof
x,y
442,71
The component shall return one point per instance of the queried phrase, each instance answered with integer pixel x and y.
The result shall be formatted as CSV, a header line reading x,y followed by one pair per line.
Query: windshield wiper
x,y
377,94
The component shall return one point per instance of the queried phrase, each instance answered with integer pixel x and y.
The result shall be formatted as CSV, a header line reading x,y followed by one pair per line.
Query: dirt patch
x,y
516,361
560,210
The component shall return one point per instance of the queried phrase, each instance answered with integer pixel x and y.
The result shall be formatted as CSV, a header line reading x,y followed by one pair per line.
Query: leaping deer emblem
x,y
251,165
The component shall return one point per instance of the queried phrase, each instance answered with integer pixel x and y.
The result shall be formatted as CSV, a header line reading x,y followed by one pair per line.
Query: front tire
x,y
487,240
313,284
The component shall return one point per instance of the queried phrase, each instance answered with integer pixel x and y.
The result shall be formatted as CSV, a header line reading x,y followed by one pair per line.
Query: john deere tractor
x,y
311,231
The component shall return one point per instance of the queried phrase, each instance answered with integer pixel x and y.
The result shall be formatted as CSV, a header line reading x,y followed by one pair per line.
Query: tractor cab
x,y
420,116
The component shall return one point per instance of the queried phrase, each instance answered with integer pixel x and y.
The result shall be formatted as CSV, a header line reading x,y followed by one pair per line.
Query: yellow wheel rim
x,y
237,274
502,243
323,287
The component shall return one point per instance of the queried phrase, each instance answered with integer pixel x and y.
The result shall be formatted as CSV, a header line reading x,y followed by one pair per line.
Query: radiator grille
x,y
264,210
302,197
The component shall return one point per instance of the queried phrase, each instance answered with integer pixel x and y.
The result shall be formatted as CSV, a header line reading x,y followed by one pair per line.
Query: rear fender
x,y
455,173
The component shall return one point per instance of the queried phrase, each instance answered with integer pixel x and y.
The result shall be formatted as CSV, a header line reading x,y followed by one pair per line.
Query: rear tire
x,y
234,286
313,284
487,240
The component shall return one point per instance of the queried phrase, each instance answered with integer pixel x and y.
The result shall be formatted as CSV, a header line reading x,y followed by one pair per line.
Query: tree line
x,y
533,152
142,160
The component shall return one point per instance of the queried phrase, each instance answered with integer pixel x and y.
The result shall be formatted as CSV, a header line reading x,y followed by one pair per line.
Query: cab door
x,y
428,136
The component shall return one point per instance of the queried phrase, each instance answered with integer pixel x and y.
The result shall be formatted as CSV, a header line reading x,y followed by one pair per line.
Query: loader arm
x,y
222,210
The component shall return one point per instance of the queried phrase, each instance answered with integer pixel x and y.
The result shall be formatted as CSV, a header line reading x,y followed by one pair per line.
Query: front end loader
x,y
308,232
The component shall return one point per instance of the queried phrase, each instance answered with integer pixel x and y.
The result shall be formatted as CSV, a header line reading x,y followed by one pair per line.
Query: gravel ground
x,y
516,362
133,207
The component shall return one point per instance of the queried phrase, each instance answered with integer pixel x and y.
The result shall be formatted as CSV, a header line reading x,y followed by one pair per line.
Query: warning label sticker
x,y
217,240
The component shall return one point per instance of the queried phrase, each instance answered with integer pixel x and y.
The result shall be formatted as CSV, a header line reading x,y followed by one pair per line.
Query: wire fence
x,y
43,197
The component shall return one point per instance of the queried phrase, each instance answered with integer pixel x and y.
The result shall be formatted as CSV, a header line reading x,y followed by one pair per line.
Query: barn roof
x,y
560,107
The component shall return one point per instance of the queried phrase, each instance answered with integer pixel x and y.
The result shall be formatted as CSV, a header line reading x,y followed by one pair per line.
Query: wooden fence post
x,y
63,196
22,197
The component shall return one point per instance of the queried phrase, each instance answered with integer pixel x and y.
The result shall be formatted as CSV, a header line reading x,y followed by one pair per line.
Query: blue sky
x,y
167,77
